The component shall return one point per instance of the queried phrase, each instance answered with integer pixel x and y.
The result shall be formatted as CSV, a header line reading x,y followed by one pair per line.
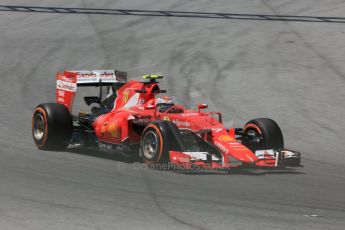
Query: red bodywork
x,y
131,105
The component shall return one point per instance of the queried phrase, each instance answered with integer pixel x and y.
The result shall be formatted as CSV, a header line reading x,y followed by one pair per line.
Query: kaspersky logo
x,y
221,147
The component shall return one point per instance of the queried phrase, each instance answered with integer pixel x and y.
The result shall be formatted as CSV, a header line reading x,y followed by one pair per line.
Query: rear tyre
x,y
157,139
262,133
52,126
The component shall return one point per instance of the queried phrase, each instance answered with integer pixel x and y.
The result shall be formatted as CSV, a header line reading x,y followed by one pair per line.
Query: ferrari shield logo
x,y
125,97
114,130
103,129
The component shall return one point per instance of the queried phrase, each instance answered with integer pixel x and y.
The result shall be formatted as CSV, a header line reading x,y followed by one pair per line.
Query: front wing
x,y
266,159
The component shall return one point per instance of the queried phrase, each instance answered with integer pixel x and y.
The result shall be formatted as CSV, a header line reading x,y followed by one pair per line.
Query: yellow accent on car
x,y
153,76
114,130
125,96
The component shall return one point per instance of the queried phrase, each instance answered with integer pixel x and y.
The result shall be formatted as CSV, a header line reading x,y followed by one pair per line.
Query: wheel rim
x,y
252,132
39,127
253,136
150,145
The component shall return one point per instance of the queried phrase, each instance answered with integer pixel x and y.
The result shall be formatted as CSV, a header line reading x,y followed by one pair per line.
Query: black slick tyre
x,y
52,126
158,138
262,133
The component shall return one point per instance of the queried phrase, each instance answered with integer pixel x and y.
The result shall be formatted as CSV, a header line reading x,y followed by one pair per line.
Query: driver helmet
x,y
164,103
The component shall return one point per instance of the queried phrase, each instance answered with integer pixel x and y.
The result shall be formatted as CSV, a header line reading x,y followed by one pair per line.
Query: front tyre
x,y
52,126
261,134
157,139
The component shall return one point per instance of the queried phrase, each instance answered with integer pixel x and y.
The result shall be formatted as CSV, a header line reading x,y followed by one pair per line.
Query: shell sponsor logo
x,y
166,118
225,138
65,85
64,78
114,130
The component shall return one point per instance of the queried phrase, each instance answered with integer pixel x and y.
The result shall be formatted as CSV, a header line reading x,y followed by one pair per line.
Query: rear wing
x,y
67,82
96,77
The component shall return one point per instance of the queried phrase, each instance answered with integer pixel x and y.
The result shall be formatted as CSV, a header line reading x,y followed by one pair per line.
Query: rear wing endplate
x,y
67,82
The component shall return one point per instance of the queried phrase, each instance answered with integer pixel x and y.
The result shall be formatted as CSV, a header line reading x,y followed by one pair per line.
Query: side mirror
x,y
150,107
202,106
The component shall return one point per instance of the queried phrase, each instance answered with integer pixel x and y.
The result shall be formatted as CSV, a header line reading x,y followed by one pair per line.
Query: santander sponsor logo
x,y
104,74
182,123
86,76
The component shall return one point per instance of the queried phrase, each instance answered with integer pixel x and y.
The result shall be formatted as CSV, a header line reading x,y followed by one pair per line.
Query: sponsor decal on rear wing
x,y
67,82
66,86
94,77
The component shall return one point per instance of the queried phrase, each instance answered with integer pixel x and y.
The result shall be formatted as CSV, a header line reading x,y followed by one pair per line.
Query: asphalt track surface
x,y
282,59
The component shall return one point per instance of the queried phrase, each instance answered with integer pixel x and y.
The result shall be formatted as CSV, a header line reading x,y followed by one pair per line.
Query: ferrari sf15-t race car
x,y
133,120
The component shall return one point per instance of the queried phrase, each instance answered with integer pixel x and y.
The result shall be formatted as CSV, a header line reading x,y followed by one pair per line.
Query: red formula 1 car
x,y
133,120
